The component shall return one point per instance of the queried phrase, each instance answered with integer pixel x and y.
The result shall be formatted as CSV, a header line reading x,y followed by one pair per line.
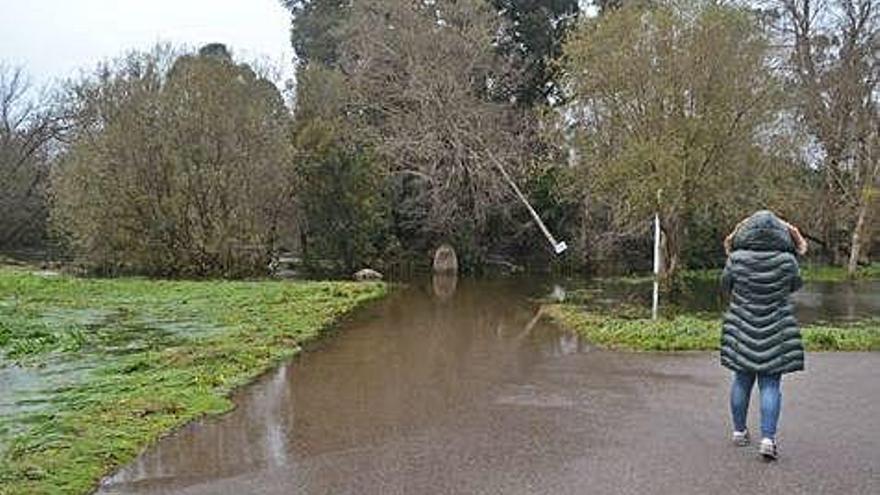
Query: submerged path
x,y
471,394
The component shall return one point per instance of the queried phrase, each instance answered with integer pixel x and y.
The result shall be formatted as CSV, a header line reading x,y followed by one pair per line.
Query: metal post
x,y
558,247
656,300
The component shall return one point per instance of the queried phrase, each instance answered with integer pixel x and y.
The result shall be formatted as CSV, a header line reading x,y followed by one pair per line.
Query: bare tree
x,y
834,48
27,127
421,79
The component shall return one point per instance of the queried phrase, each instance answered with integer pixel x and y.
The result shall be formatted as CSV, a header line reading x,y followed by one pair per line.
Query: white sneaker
x,y
741,438
768,449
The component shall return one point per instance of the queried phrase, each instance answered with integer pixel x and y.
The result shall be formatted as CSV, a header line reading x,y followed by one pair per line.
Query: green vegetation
x,y
178,162
93,370
646,138
827,273
696,332
809,272
190,174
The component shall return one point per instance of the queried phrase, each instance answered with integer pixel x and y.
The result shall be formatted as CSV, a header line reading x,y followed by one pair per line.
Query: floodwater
x,y
838,301
458,386
421,357
842,302
37,385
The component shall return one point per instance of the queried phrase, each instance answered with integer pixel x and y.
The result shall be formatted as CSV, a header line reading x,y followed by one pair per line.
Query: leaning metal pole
x,y
558,247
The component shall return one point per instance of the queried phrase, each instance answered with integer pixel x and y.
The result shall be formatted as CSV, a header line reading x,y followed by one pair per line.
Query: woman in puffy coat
x,y
760,336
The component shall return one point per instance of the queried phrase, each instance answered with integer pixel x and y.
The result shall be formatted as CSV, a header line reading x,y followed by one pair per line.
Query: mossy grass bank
x,y
690,332
93,370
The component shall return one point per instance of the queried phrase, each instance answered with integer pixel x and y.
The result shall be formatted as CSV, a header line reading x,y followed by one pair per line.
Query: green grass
x,y
825,273
95,370
809,272
696,332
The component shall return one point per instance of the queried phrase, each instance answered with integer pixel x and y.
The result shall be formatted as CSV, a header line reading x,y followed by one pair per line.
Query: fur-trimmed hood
x,y
764,231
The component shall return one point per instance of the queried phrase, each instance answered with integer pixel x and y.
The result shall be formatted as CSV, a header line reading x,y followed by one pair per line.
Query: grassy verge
x,y
92,371
825,273
696,332
809,272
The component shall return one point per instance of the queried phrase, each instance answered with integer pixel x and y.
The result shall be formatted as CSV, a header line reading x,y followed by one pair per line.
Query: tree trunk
x,y
586,254
855,245
671,239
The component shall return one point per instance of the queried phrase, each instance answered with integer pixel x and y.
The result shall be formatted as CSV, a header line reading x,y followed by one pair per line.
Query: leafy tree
x,y
179,165
339,183
532,38
675,99
314,27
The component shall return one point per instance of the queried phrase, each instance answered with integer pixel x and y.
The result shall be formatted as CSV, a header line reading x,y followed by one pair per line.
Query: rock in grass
x,y
367,274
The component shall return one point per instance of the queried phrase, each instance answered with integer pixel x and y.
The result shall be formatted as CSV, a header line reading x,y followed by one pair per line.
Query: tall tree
x,y
673,98
437,91
28,126
533,36
314,25
419,90
833,54
422,79
178,165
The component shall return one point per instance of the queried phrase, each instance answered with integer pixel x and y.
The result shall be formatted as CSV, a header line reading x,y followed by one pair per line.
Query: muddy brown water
x,y
421,357
460,387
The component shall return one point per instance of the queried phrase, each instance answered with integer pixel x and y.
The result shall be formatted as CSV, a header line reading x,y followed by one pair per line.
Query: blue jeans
x,y
771,401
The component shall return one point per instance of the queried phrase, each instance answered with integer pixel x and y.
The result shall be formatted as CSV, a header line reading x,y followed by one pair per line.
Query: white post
x,y
656,266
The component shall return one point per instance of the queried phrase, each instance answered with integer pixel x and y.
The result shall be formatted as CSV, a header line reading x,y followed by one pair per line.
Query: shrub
x,y
179,165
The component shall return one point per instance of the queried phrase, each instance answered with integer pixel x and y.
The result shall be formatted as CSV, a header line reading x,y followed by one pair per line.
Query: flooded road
x,y
462,388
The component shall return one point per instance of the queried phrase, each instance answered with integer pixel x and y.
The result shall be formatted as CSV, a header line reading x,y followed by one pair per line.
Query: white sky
x,y
54,39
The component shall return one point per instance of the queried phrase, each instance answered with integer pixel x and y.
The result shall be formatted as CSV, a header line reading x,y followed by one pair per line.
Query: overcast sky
x,y
53,39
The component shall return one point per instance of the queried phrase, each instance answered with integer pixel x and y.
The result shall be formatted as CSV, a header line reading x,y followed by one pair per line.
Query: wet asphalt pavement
x,y
468,391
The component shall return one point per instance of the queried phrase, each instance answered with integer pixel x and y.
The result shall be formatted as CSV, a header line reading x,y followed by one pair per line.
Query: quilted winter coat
x,y
760,333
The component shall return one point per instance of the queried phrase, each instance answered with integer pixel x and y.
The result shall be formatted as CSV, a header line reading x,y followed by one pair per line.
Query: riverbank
x,y
93,370
690,332
810,272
